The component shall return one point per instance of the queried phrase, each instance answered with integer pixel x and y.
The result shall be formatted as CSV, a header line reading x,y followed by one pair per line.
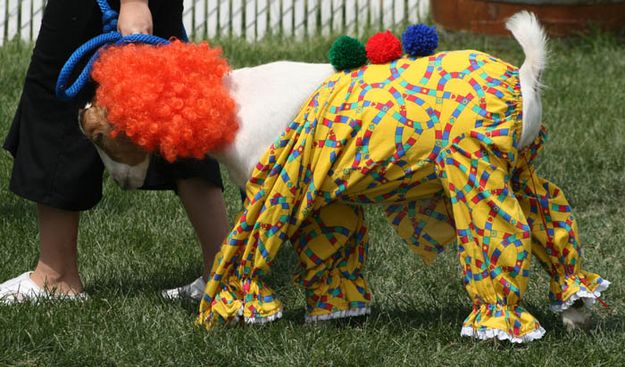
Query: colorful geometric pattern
x,y
554,233
435,141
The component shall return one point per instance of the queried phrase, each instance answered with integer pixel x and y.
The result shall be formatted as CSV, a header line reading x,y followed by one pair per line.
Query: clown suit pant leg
x,y
494,244
555,237
237,288
332,247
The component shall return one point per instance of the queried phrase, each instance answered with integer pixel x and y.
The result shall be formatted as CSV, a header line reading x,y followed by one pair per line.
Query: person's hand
x,y
134,17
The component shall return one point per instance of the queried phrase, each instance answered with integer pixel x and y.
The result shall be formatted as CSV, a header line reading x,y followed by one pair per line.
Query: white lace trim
x,y
502,335
339,314
252,320
589,297
263,319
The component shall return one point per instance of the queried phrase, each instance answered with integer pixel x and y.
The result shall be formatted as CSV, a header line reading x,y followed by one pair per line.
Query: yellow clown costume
x,y
433,139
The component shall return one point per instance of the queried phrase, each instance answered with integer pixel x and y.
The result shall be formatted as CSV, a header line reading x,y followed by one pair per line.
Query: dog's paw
x,y
576,317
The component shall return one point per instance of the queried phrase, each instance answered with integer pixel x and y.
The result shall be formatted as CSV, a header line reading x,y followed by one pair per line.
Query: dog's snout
x,y
125,183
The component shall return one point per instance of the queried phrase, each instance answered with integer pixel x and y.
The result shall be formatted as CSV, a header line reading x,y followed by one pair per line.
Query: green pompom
x,y
347,53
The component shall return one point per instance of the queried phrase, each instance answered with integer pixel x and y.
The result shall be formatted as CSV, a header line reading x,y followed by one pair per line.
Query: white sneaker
x,y
22,289
194,291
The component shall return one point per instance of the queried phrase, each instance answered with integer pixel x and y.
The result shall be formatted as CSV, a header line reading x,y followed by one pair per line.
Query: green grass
x,y
134,244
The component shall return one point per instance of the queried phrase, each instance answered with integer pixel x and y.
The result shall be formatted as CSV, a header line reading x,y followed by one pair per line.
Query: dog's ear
x,y
94,124
96,127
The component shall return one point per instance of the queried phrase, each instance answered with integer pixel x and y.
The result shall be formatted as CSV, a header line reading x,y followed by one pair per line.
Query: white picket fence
x,y
252,19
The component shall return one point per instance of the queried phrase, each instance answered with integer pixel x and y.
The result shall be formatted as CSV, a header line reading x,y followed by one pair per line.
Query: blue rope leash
x,y
67,93
109,16
109,36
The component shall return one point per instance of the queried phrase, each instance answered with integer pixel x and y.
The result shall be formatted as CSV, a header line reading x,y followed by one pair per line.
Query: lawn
x,y
133,244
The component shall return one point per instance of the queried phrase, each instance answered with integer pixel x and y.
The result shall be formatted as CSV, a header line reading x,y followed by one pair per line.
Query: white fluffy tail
x,y
531,36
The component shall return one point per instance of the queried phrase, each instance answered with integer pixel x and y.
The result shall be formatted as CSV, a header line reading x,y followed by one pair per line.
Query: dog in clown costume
x,y
445,142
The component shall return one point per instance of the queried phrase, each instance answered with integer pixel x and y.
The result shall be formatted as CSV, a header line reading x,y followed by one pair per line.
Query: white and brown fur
x,y
269,96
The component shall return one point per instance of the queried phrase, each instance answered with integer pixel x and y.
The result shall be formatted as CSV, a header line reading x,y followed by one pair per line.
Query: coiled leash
x,y
110,36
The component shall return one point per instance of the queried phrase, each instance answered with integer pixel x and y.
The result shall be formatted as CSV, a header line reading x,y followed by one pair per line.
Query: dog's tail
x,y
531,36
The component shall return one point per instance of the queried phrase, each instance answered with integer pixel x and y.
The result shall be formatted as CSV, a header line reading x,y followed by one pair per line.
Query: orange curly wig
x,y
168,98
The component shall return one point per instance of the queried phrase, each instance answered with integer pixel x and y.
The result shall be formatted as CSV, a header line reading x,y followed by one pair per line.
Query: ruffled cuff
x,y
504,322
584,285
247,299
336,295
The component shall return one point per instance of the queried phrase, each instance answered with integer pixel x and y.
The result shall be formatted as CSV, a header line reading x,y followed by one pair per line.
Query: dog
x,y
273,102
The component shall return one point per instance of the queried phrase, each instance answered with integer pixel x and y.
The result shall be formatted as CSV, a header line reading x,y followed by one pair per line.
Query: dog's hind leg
x,y
556,241
494,244
332,247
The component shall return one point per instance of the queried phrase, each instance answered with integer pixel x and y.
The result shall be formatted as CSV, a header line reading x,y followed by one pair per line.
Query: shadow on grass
x,y
404,317
406,320
612,325
15,211
146,284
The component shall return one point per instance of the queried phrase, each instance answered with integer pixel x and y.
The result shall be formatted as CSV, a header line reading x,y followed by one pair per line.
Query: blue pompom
x,y
420,40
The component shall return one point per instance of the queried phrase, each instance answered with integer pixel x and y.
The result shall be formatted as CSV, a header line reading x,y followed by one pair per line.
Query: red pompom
x,y
383,47
169,98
